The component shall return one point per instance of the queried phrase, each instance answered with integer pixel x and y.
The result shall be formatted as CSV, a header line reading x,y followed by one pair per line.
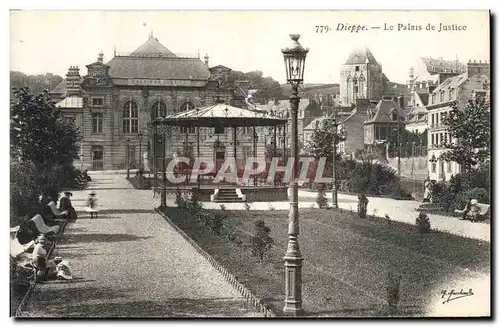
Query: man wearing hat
x,y
65,205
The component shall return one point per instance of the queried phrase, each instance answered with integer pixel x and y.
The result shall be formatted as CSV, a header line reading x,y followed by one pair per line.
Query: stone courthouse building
x,y
115,101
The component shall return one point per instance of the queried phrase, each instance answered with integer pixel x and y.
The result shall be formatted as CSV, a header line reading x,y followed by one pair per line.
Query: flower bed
x,y
346,258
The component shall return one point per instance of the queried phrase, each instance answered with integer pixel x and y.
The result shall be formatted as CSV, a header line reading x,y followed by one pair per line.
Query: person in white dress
x,y
91,205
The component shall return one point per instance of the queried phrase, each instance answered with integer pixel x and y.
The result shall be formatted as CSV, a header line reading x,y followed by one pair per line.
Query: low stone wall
x,y
266,194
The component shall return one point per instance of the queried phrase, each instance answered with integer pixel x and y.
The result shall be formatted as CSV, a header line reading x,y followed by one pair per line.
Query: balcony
x,y
433,127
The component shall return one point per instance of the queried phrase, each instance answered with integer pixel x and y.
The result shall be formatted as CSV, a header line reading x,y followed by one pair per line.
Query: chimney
x,y
401,101
206,59
73,81
100,59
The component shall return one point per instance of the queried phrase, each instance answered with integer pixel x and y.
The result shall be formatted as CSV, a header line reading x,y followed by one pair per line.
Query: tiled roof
x,y
157,68
451,82
61,87
153,60
383,111
424,97
361,56
282,105
151,48
71,102
312,124
225,114
442,65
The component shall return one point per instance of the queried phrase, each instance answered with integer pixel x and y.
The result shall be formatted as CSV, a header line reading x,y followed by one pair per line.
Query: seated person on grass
x,y
45,269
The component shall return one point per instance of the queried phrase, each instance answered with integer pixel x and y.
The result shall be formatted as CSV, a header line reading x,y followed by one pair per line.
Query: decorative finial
x,y
151,34
295,37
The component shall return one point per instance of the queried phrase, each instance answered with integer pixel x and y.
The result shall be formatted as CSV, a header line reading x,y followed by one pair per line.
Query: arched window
x,y
130,118
355,86
158,109
362,86
185,106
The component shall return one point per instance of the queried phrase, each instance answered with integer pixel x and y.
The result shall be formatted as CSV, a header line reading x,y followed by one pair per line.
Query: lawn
x,y
346,259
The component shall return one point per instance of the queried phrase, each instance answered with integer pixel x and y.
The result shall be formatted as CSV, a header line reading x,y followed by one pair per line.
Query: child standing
x,y
91,205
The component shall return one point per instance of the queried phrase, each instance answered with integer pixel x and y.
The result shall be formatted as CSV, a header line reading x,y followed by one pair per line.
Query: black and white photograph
x,y
250,164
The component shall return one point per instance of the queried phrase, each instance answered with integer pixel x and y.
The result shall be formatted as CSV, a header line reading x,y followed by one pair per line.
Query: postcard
x,y
250,164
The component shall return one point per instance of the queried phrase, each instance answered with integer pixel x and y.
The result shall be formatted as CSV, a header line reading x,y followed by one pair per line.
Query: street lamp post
x,y
164,131
338,136
139,135
295,57
128,157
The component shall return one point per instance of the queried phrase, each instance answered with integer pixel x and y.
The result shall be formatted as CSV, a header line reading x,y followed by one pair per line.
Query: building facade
x,y
454,90
360,77
115,101
384,121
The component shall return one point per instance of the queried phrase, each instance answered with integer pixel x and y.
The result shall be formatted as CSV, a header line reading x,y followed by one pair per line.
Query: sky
x,y
51,41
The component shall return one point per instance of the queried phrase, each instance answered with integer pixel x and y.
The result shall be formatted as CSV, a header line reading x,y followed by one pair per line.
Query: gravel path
x,y
131,263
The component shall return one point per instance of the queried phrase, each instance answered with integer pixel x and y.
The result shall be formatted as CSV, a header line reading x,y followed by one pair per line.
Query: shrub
x,y
423,223
261,241
369,177
462,198
321,198
393,290
216,223
179,200
362,205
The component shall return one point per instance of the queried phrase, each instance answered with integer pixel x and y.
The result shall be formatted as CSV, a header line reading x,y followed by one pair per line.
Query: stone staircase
x,y
228,195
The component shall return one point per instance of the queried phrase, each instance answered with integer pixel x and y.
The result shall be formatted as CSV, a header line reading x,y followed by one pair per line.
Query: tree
x,y
267,87
470,133
261,242
43,147
36,83
321,142
39,133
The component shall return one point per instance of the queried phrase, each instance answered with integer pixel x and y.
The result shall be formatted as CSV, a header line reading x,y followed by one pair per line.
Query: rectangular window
x,y
188,130
433,167
97,123
219,130
246,151
97,102
441,96
357,68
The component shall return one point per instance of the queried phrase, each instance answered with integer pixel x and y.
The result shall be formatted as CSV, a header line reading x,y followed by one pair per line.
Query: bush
x,y
261,241
362,205
321,198
393,289
215,223
462,198
423,223
179,200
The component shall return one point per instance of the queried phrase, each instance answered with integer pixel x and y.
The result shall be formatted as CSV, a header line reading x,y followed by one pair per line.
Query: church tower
x,y
360,77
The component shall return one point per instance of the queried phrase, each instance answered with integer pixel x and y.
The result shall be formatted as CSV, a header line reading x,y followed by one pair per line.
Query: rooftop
x,y
361,55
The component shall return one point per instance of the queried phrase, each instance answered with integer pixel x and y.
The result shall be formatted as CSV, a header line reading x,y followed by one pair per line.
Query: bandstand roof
x,y
220,114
